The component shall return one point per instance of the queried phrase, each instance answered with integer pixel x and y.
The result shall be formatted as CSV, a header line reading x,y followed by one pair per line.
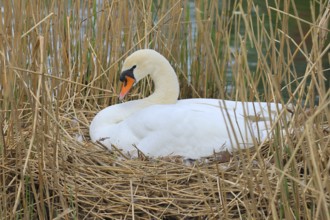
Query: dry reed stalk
x,y
60,63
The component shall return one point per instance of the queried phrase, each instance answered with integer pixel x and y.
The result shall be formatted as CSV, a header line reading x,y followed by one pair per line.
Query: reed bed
x,y
60,63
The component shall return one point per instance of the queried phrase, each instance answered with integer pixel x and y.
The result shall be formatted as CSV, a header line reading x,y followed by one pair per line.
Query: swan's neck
x,y
166,92
166,85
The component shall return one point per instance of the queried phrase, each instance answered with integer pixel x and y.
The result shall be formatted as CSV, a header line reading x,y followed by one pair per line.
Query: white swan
x,y
160,125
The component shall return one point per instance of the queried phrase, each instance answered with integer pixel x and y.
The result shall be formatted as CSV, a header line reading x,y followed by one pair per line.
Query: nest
x,y
68,178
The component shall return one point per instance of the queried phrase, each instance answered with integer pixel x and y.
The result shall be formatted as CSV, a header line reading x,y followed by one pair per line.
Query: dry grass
x,y
60,65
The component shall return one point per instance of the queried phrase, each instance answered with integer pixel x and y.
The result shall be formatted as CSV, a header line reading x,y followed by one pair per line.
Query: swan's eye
x,y
127,74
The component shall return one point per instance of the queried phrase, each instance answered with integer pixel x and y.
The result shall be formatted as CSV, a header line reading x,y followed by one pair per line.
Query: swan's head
x,y
137,66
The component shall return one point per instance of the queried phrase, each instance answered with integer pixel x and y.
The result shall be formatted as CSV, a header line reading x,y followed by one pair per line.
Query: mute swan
x,y
160,125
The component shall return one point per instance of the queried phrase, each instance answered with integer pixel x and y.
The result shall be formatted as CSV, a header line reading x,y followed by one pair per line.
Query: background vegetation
x,y
59,65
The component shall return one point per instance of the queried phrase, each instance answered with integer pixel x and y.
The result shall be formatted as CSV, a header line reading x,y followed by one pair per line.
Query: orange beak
x,y
127,85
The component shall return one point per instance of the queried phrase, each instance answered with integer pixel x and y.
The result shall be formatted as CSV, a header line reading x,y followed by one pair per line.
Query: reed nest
x,y
82,179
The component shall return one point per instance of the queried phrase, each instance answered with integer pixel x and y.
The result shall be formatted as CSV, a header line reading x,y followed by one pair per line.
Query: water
x,y
299,63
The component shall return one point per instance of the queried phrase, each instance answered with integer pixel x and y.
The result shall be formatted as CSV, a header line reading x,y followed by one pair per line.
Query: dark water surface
x,y
303,8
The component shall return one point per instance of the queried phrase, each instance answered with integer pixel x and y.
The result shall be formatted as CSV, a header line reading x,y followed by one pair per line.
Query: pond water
x,y
299,64
303,7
